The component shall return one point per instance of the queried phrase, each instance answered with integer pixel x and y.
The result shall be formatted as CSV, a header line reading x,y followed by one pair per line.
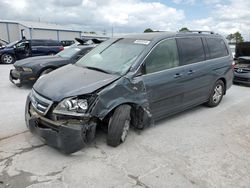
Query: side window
x,y
37,43
163,56
51,43
216,47
191,50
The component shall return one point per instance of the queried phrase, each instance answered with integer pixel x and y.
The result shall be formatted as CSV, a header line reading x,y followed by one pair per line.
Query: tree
x,y
148,30
235,37
184,29
238,37
230,37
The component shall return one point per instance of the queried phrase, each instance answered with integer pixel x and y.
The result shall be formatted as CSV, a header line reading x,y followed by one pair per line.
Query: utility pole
x,y
104,32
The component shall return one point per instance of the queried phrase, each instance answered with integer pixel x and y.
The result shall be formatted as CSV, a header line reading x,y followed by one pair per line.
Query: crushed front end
x,y
67,133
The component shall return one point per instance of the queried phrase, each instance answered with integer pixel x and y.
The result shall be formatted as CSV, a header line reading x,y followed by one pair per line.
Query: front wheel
x,y
217,94
7,59
119,124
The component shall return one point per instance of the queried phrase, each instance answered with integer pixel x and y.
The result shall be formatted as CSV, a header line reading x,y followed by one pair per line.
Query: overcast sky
x,y
222,16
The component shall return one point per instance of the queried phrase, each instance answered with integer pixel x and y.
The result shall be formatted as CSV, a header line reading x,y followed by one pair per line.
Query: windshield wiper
x,y
97,69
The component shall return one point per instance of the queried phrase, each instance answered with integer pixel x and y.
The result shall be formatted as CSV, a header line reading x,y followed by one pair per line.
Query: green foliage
x,y
148,30
235,37
184,29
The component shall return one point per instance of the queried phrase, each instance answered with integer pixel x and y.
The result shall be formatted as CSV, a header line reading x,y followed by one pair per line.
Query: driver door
x,y
22,50
163,79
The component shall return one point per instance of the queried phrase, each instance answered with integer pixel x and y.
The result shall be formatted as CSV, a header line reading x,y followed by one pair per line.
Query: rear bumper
x,y
242,78
68,138
18,78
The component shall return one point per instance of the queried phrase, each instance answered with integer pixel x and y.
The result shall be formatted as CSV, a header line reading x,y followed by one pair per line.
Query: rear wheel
x,y
7,59
217,94
119,124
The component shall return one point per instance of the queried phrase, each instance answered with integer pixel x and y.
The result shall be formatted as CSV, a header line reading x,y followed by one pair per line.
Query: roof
x,y
41,25
157,35
147,36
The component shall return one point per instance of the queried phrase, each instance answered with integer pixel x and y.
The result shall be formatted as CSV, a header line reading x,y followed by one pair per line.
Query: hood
x,y
31,61
72,80
6,49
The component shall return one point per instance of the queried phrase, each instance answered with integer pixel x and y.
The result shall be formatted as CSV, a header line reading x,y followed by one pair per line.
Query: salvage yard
x,y
202,147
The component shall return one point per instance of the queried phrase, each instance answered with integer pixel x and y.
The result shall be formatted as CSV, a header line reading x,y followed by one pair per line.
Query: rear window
x,y
216,47
191,50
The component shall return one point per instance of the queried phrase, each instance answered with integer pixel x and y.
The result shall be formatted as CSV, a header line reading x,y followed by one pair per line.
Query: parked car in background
x,y
242,64
30,69
28,48
131,80
67,42
88,41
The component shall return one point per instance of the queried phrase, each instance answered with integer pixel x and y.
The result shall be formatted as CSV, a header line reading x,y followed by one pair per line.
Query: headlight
x,y
27,69
72,106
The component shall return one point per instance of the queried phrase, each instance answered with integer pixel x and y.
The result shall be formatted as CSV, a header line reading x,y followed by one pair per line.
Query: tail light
x,y
233,65
61,48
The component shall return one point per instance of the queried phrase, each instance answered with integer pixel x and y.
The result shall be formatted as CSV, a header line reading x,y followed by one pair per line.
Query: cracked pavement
x,y
202,147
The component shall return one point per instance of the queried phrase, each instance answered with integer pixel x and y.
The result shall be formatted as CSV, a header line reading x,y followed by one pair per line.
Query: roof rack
x,y
198,31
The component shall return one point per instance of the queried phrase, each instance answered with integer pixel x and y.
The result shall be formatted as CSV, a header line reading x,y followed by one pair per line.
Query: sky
x,y
134,16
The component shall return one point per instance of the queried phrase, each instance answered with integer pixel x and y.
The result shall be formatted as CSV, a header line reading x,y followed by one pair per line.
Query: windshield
x,y
114,56
12,44
68,53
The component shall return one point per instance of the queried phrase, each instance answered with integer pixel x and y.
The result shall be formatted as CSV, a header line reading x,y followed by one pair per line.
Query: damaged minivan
x,y
129,81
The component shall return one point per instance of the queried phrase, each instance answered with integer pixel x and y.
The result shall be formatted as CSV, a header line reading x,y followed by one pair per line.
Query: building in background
x,y
13,30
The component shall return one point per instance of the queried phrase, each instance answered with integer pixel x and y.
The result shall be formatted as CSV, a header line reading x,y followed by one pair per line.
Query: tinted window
x,y
163,56
191,50
38,43
52,43
216,47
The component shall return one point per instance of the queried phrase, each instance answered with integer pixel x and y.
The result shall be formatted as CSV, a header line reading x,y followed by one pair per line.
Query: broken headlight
x,y
72,106
26,69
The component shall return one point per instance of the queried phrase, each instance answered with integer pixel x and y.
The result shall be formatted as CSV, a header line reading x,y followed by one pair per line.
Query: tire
x,y
216,94
46,71
52,53
7,59
119,124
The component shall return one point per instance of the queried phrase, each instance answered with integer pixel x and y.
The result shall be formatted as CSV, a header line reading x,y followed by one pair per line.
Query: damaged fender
x,y
124,91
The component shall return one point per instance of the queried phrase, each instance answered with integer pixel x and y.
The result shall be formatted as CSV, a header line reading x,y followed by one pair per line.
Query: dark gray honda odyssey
x,y
134,80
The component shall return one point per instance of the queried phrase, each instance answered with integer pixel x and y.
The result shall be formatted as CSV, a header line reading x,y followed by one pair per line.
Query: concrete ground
x,y
202,147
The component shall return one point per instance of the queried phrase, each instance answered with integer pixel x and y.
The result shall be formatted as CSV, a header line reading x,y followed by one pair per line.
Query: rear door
x,y
163,79
37,47
197,75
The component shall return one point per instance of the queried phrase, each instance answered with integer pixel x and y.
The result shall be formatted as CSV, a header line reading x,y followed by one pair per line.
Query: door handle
x,y
191,72
177,75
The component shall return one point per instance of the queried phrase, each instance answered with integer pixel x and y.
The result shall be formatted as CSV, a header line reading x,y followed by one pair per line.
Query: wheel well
x,y
225,84
43,69
136,113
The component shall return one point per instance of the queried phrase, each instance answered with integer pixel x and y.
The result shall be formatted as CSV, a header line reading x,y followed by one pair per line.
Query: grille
x,y
40,104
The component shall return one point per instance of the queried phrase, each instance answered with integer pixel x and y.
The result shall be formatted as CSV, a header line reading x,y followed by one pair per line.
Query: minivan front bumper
x,y
67,137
